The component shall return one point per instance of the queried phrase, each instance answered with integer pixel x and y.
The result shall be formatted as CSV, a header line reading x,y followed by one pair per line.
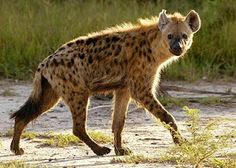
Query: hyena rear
x,y
125,59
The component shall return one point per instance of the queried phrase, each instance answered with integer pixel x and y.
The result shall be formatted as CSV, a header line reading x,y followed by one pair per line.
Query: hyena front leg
x,y
78,103
121,101
151,104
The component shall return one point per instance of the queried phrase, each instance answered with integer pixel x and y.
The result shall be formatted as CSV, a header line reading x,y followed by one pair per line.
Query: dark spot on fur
x,y
108,39
127,44
149,51
108,46
118,49
55,62
113,47
149,59
115,39
38,69
90,59
70,44
109,53
95,50
115,61
81,56
50,56
70,76
72,61
62,48
140,53
42,65
79,41
62,62
144,53
99,49
64,79
91,41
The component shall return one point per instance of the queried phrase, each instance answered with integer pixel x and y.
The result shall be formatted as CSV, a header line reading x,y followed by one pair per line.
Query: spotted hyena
x,y
125,59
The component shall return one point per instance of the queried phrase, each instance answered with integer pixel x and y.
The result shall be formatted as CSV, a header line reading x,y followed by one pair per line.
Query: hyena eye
x,y
185,36
170,36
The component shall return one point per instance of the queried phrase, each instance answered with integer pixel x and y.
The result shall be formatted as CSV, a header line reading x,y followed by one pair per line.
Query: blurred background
x,y
32,29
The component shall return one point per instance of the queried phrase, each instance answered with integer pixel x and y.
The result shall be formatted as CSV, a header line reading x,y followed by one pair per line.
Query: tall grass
x,y
31,29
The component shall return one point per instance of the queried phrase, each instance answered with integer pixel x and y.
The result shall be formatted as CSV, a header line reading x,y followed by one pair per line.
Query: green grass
x,y
14,164
61,140
8,93
211,100
134,158
64,140
168,101
31,30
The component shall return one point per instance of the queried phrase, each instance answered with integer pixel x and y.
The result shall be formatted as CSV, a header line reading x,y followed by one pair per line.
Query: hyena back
x,y
126,60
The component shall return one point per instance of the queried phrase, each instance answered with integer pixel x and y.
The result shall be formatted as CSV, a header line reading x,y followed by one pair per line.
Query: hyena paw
x,y
122,151
16,150
102,151
179,140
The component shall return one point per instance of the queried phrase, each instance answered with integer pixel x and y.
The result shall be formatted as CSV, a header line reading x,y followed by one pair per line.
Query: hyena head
x,y
177,31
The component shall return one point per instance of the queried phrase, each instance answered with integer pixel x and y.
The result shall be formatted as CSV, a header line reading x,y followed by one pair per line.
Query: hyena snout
x,y
176,47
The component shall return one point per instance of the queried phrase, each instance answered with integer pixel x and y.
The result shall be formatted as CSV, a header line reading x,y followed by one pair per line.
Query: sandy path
x,y
142,133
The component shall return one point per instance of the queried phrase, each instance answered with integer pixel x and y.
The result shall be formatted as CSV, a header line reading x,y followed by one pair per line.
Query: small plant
x,y
202,145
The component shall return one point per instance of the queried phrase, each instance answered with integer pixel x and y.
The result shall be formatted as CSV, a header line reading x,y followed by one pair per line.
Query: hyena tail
x,y
42,98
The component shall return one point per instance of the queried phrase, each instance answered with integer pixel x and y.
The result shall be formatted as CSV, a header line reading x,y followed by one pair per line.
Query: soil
x,y
142,134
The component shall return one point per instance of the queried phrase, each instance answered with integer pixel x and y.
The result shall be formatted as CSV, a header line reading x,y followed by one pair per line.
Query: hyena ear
x,y
193,20
163,20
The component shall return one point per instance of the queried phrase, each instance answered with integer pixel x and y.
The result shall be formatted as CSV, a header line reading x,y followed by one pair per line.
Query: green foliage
x,y
134,158
211,100
63,140
202,145
31,30
168,101
8,93
14,164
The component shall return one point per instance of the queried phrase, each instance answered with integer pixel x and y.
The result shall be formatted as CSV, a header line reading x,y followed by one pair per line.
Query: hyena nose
x,y
177,47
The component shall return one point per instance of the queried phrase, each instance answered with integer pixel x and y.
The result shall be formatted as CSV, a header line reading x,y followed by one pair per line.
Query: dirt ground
x,y
142,134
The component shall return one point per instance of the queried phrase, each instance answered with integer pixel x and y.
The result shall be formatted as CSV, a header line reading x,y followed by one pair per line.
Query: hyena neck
x,y
160,52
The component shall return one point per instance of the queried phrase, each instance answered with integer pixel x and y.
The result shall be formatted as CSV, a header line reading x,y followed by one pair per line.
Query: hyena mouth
x,y
176,52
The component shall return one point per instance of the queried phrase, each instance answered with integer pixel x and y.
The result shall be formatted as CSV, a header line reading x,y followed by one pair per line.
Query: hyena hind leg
x,y
121,102
33,108
78,103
